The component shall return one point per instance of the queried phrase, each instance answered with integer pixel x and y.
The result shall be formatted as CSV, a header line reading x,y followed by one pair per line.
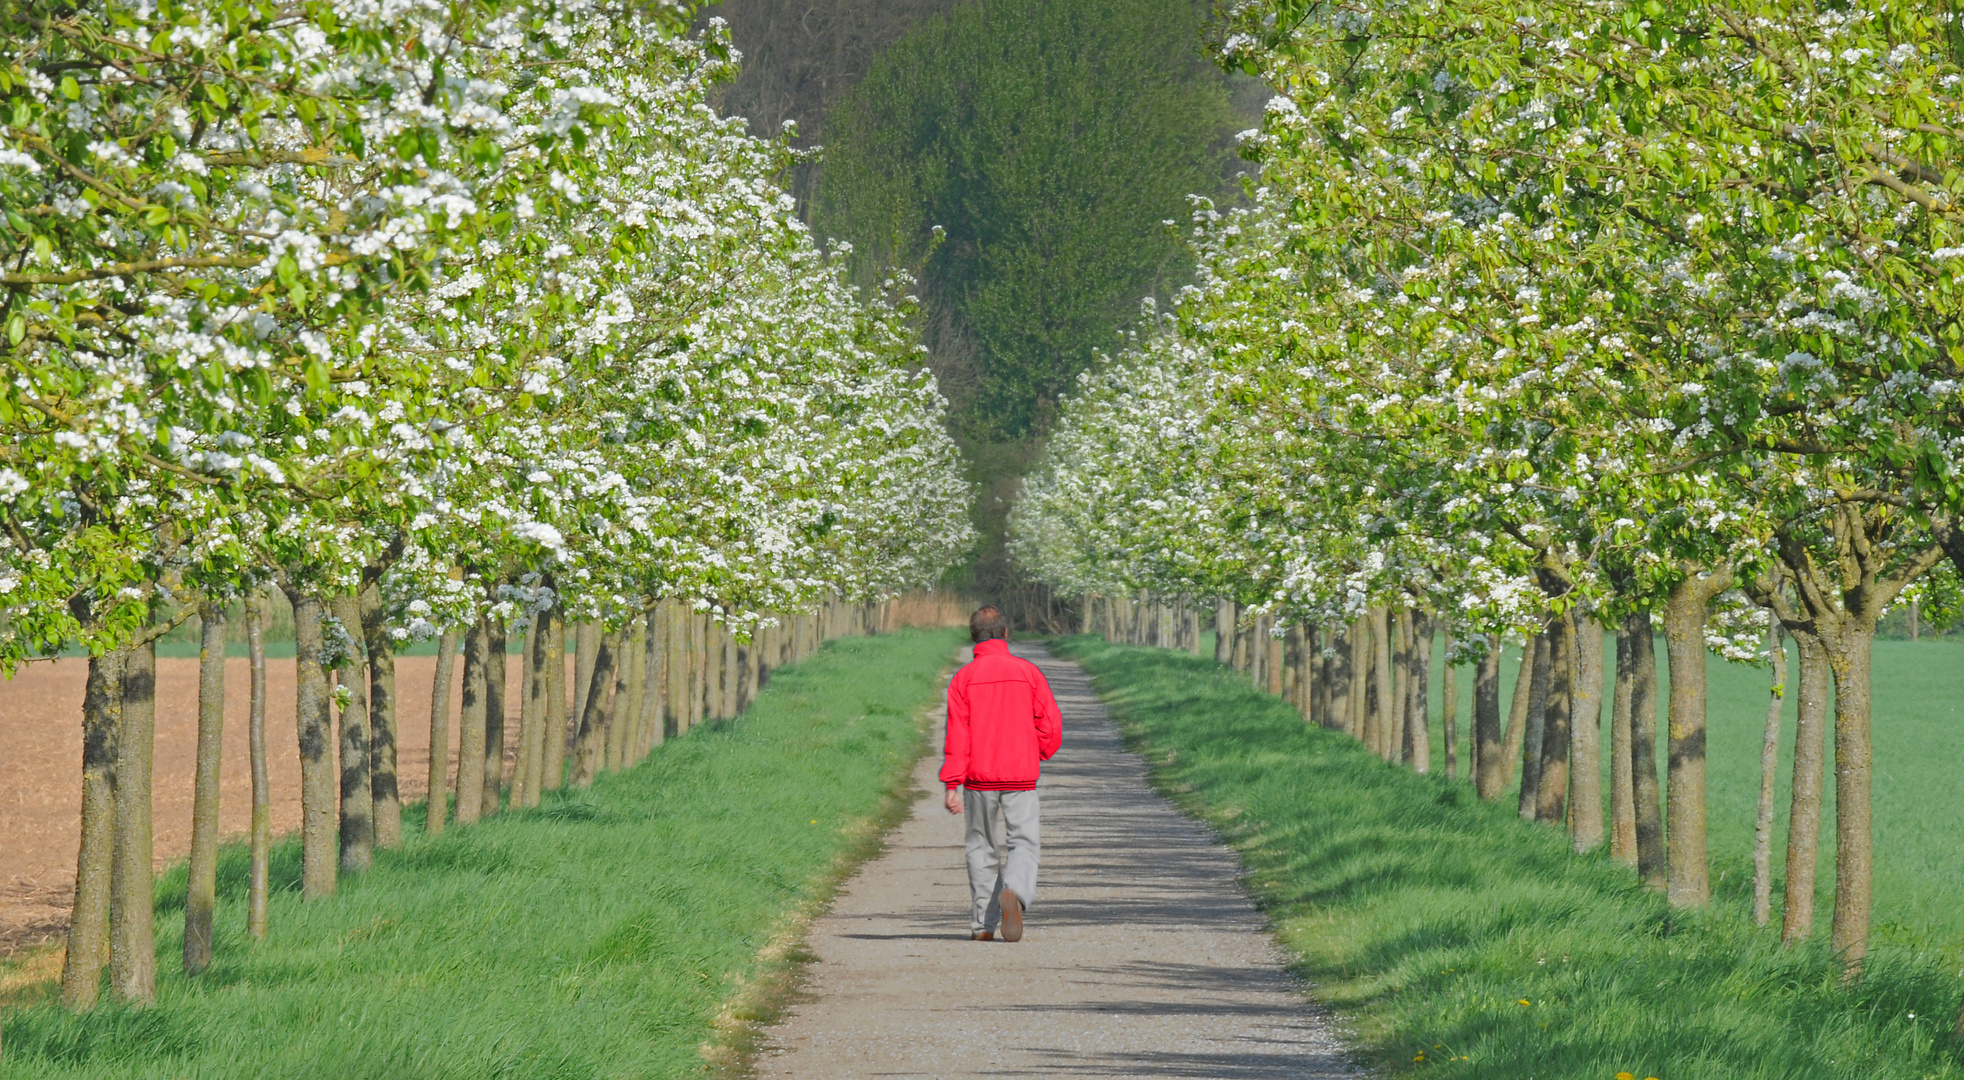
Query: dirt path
x,y
1143,957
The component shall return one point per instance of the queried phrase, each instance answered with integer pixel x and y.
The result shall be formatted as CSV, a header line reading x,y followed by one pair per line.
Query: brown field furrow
x,y
41,764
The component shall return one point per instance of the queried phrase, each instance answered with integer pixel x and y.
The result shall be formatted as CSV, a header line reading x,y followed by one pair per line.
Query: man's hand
x,y
954,800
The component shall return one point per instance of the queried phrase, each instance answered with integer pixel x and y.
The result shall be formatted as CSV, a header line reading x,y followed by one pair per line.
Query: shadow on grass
x,y
1465,943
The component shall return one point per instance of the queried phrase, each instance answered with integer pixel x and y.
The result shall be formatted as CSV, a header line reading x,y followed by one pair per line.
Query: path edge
x,y
1193,806
740,1029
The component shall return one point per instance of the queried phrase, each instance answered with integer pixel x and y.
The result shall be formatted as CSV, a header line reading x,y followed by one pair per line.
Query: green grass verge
x,y
1462,942
599,935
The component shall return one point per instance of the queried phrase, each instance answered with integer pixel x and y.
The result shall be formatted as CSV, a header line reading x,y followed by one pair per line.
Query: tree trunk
x,y
314,719
1769,768
1384,707
1534,730
1224,619
384,784
1551,787
1804,813
1335,684
470,722
1449,706
201,872
1514,742
1646,805
1622,778
497,667
1854,851
629,683
88,923
1419,723
654,674
438,806
589,744
357,794
132,930
552,762
586,642
1585,804
1685,614
531,695
1490,757
1358,723
1399,733
677,664
1272,658
257,880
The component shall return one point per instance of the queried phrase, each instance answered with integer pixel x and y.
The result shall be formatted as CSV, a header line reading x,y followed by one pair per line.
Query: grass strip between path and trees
x,y
1460,941
606,933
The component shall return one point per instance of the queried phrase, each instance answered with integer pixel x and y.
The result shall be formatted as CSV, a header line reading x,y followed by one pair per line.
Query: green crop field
x,y
1919,805
1464,943
596,936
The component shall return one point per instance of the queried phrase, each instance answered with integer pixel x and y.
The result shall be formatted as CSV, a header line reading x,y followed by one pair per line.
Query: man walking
x,y
1003,724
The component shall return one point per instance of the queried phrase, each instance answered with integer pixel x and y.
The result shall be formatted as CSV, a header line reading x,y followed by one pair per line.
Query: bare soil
x,y
41,768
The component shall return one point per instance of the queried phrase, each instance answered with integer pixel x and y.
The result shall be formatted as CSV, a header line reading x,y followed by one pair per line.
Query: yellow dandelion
x,y
1525,1001
814,821
1625,1076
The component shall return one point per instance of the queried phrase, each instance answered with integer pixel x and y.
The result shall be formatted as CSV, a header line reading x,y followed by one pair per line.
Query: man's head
x,y
988,622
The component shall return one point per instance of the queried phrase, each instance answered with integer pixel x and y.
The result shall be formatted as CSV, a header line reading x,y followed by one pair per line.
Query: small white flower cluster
x,y
496,297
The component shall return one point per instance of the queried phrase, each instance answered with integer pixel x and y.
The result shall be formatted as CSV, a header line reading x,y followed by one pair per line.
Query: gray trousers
x,y
998,820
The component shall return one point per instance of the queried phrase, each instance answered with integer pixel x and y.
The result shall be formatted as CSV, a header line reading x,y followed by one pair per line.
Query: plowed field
x,y
41,766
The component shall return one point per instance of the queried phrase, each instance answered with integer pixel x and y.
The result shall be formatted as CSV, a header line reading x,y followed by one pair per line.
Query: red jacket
x,y
1002,722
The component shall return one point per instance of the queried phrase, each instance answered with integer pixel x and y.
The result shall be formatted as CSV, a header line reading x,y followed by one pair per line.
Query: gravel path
x,y
1142,955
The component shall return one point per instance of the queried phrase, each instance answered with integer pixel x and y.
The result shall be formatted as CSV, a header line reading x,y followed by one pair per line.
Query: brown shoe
x,y
982,935
1012,917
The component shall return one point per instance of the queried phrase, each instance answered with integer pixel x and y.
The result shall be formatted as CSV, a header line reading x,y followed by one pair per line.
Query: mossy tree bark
x,y
357,794
1490,757
201,877
384,784
312,705
438,806
132,929
1585,806
88,922
259,874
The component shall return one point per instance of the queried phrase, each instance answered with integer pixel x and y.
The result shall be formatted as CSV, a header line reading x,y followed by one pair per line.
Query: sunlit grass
x,y
596,936
1462,942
